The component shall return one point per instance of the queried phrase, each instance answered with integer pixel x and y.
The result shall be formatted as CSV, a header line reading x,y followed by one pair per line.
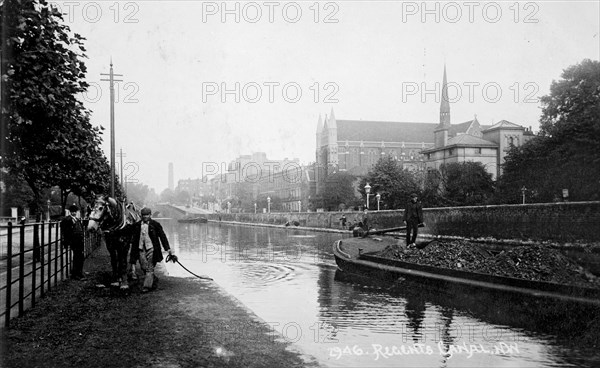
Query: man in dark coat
x,y
73,237
413,216
148,235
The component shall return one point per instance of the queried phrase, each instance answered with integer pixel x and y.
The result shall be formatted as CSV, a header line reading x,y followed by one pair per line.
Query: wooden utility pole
x,y
112,80
121,155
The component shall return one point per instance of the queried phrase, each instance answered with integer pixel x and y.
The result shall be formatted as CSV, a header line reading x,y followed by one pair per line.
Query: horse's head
x,y
103,209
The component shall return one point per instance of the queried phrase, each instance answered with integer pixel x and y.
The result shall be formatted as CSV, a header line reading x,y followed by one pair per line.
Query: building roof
x,y
387,131
463,140
469,140
456,129
503,124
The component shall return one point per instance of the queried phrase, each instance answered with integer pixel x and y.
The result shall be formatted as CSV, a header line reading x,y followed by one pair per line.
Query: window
x,y
478,151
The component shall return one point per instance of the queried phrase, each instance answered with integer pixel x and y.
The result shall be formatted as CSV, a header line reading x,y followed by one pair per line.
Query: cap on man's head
x,y
414,195
73,208
146,211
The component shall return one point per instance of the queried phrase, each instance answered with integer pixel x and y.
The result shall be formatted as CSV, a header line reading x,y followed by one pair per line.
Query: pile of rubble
x,y
531,262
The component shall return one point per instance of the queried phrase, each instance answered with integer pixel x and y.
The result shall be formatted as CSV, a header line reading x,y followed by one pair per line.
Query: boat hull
x,y
352,260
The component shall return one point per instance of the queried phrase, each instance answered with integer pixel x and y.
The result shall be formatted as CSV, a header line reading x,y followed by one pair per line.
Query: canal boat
x,y
193,220
359,255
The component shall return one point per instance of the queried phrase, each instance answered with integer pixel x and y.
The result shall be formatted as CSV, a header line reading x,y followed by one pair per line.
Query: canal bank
x,y
187,322
564,223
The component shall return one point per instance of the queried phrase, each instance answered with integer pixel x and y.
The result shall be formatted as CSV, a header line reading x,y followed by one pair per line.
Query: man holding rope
x,y
148,235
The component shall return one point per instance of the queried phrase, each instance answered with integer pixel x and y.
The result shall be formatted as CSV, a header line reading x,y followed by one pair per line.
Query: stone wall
x,y
560,222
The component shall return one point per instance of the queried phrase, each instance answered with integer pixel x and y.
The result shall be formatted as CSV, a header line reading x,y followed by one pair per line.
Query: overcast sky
x,y
182,62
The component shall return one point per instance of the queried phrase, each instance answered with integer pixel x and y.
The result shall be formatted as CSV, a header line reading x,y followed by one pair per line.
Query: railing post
x,y
56,245
42,259
21,269
49,256
61,250
36,258
8,274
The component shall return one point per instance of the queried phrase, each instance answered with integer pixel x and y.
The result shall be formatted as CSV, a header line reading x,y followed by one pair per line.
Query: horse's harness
x,y
115,212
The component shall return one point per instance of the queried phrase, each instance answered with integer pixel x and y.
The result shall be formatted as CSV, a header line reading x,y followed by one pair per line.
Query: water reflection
x,y
289,279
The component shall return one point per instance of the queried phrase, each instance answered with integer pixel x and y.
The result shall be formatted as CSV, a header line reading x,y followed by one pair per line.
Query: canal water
x,y
289,279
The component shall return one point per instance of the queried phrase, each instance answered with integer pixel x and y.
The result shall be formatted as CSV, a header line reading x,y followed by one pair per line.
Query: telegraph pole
x,y
112,80
121,155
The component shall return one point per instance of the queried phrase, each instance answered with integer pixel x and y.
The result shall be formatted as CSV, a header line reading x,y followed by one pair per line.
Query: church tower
x,y
320,164
332,154
441,131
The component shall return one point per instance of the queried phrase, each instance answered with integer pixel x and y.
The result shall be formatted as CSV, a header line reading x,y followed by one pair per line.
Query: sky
x,y
204,82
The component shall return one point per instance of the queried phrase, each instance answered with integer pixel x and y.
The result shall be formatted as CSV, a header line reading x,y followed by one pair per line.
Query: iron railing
x,y
33,264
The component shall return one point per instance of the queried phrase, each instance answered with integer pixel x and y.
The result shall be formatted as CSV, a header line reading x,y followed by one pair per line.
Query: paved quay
x,y
186,322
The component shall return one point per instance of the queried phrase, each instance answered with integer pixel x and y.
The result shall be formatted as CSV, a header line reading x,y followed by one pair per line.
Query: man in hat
x,y
148,235
73,237
413,216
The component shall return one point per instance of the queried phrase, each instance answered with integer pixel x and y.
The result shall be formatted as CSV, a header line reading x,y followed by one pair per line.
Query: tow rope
x,y
176,260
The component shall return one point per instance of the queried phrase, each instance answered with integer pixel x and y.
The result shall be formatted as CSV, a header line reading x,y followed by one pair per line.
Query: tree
x,y
566,153
167,195
15,193
137,193
391,181
338,192
466,183
49,140
182,197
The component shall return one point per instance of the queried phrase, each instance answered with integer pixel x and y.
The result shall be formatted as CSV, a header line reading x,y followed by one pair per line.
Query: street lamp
x,y
378,196
269,204
228,207
523,190
254,207
48,214
367,190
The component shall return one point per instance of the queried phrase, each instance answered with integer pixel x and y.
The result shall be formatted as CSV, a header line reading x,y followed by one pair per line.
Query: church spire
x,y
445,104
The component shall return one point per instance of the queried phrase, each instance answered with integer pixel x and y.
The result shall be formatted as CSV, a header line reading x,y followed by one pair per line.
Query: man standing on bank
x,y
73,237
413,216
148,235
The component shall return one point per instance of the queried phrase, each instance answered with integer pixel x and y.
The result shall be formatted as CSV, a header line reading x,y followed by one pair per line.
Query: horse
x,y
114,219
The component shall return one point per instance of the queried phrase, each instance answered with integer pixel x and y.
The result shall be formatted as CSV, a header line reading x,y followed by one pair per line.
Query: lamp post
x,y
228,207
269,204
523,190
48,214
378,196
254,207
299,206
367,190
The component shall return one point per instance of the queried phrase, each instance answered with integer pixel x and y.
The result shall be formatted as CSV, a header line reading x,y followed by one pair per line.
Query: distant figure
x,y
148,235
365,220
413,216
73,237
343,220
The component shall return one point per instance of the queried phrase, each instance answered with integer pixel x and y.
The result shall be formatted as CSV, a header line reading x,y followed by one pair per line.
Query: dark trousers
x,y
78,259
412,226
